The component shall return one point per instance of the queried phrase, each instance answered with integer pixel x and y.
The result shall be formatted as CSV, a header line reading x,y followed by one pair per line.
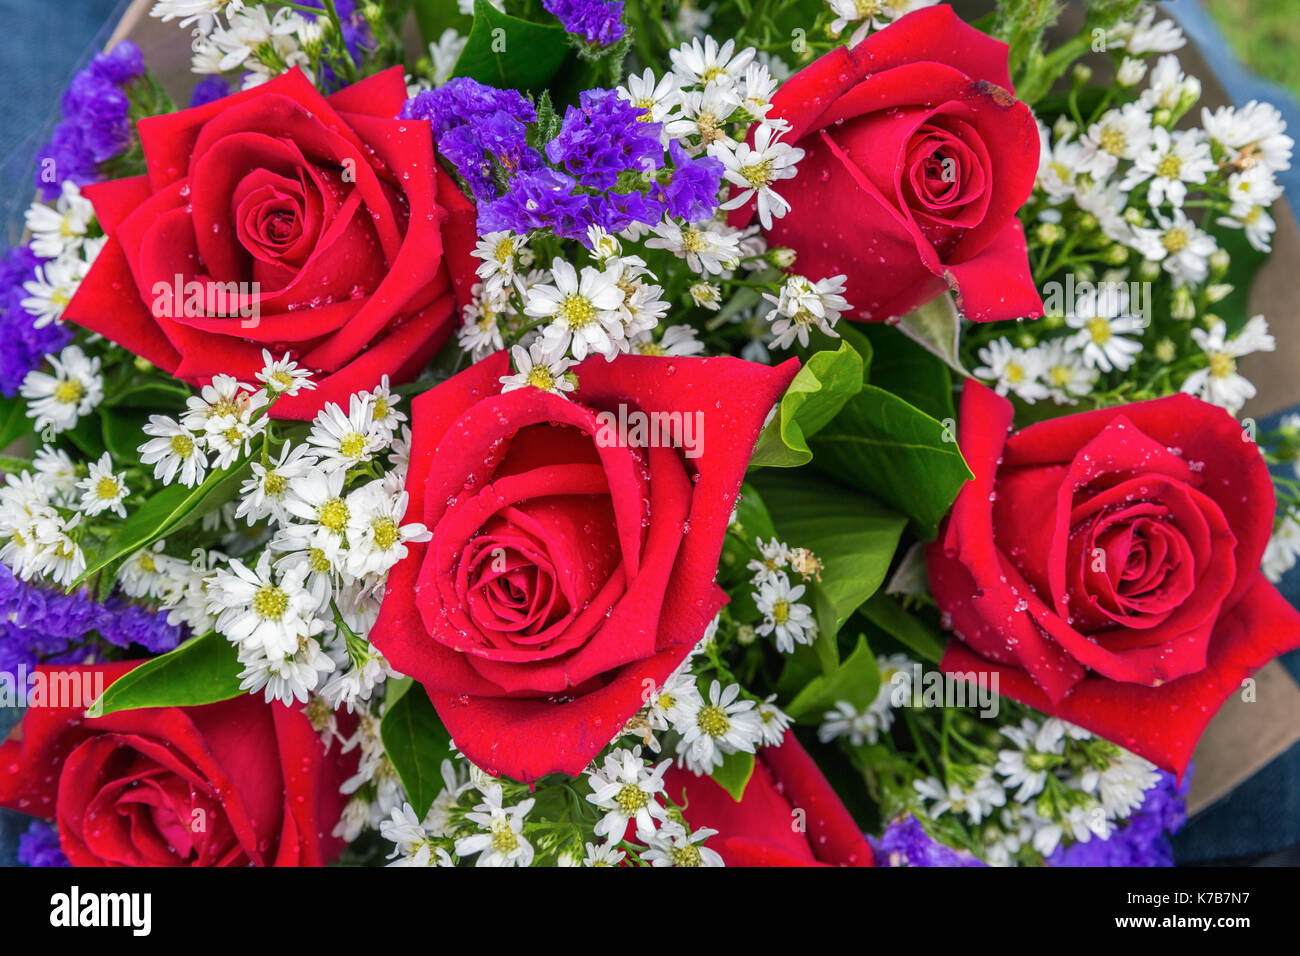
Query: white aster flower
x,y
60,229
628,791
282,376
58,470
584,309
802,305
52,288
1183,248
258,610
709,63
755,169
103,489
674,845
175,452
59,399
502,843
1170,161
535,369
709,248
789,621
1219,383
1103,322
1283,549
376,535
678,341
720,725
1119,134
1013,370
343,440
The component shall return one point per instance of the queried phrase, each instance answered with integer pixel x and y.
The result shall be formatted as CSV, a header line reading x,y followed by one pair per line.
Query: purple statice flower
x,y
208,90
599,22
120,65
39,846
905,843
1143,840
692,191
604,137
25,346
96,124
478,129
40,626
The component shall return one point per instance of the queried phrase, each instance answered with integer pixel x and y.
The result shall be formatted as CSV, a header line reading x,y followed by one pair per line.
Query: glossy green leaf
x,y
852,534
891,449
166,512
906,628
415,741
733,776
510,53
856,680
203,670
936,327
825,382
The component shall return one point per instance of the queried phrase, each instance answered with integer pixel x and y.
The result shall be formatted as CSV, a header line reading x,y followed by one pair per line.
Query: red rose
x,y
229,784
1105,566
278,218
788,816
567,572
918,157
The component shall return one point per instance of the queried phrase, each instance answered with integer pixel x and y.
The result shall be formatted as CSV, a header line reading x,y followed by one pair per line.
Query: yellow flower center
x,y
182,445
318,562
540,376
1014,373
631,798
274,484
688,855
334,515
504,839
1175,240
107,488
781,611
1222,365
1099,329
577,311
69,391
759,174
352,445
1113,140
713,720
270,602
386,532
1169,167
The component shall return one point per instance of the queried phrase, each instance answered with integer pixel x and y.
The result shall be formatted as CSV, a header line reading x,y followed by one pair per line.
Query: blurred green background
x,y
1264,35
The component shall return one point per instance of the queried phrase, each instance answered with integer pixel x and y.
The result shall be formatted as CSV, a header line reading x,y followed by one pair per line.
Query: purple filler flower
x,y
25,346
39,846
599,22
905,843
692,192
604,137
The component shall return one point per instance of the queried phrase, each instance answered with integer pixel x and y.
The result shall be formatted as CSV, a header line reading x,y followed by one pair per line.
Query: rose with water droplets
x,y
1102,577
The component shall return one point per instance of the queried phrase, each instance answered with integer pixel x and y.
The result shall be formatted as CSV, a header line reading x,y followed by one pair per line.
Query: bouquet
x,y
635,434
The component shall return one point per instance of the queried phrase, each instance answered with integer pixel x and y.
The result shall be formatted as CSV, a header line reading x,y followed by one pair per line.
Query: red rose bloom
x,y
789,815
228,784
567,571
278,218
917,159
1105,566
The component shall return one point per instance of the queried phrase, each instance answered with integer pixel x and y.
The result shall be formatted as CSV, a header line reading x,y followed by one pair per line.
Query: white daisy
x,y
674,845
709,248
584,309
376,535
721,724
1219,383
266,492
1013,370
282,376
1119,134
1183,248
257,610
60,399
103,489
60,228
678,341
1170,161
789,621
503,842
707,62
628,791
52,288
175,452
535,369
755,169
1103,322
343,440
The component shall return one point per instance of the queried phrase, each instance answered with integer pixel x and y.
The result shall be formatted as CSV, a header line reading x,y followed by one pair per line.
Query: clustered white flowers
x,y
785,617
1156,193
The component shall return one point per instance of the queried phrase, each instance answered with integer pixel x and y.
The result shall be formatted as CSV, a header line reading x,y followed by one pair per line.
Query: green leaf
x,y
733,776
852,534
891,449
123,433
154,396
168,511
203,670
906,369
510,53
908,629
936,327
820,389
416,743
14,423
435,16
856,681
